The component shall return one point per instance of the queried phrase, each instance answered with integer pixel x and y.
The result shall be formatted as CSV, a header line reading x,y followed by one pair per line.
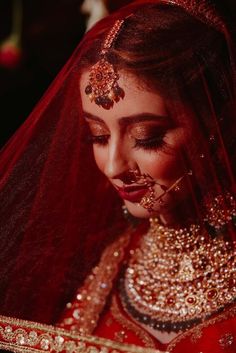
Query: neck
x,y
182,216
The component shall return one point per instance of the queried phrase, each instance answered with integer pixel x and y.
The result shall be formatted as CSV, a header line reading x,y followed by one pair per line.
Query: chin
x,y
136,210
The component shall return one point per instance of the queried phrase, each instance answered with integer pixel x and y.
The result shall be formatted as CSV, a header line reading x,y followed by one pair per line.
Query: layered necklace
x,y
177,278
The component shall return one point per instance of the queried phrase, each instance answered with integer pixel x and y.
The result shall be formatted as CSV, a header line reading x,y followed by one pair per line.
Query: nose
x,y
118,161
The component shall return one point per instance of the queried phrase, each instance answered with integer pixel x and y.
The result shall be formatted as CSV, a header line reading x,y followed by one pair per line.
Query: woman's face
x,y
137,133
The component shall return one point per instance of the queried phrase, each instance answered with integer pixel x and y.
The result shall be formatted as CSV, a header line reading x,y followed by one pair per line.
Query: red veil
x,y
57,210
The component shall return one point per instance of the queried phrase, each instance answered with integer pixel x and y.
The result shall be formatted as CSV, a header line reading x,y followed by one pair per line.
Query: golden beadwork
x,y
226,341
176,278
83,313
31,337
220,211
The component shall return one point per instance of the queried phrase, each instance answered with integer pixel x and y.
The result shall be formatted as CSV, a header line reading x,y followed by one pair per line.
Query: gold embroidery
x,y
109,322
120,336
230,313
83,314
196,335
226,340
129,325
24,336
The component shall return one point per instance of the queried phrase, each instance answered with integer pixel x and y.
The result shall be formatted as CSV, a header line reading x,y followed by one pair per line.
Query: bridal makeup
x,y
137,134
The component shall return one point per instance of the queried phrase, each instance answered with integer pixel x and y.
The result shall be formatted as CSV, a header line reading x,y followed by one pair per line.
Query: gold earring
x,y
220,211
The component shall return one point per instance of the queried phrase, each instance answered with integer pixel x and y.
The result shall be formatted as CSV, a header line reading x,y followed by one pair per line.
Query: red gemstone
x,y
170,300
191,300
231,282
88,89
98,100
212,294
106,103
174,270
119,92
99,76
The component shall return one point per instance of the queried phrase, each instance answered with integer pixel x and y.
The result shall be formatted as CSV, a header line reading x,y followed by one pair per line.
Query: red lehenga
x,y
58,214
218,334
96,321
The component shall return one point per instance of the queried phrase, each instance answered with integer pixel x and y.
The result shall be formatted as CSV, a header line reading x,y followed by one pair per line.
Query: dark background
x,y
51,31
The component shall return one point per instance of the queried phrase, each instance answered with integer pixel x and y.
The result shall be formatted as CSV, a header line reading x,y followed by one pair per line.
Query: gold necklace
x,y
177,278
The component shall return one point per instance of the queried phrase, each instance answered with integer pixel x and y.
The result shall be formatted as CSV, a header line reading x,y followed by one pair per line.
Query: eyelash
x,y
154,143
98,140
146,144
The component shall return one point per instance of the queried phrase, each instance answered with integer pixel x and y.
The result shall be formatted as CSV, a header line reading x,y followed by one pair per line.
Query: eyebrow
x,y
131,119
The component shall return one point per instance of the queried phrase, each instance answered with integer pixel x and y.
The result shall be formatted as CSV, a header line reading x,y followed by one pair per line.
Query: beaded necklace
x,y
178,278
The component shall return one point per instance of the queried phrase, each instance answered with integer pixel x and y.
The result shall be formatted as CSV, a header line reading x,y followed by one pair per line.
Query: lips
x,y
133,193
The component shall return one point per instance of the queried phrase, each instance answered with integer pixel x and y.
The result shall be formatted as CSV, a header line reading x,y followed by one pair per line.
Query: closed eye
x,y
152,143
101,140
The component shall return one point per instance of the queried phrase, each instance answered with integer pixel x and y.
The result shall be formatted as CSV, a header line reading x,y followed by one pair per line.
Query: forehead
x,y
138,99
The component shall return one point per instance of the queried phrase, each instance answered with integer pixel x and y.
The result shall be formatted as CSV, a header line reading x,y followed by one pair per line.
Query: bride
x,y
118,193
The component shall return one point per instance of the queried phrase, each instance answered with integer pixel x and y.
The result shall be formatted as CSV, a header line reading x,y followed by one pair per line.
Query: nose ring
x,y
133,175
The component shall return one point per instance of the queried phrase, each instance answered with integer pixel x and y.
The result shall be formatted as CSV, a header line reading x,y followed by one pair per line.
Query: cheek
x,y
163,166
100,157
168,164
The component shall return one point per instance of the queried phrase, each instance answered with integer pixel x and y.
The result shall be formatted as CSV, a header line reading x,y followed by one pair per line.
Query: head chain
x,y
103,87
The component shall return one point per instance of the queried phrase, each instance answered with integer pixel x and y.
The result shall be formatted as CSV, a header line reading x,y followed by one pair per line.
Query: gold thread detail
x,y
129,325
25,336
226,340
196,331
83,314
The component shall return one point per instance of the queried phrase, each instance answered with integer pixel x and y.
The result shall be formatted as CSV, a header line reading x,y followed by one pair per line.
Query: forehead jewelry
x,y
103,86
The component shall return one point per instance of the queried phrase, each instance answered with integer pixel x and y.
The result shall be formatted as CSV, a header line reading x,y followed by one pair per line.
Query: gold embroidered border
x,y
129,325
196,332
24,336
83,313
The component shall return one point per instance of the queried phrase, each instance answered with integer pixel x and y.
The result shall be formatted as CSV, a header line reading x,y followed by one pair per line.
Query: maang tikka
x,y
103,86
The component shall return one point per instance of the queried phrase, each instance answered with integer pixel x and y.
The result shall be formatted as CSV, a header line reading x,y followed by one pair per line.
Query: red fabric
x,y
217,334
215,337
57,210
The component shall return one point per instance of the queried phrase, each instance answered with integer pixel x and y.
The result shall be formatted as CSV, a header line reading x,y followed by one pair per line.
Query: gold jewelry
x,y
221,210
146,180
204,11
135,176
177,278
103,86
149,200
